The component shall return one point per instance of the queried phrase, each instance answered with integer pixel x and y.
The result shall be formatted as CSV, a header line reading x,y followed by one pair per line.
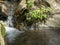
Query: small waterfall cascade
x,y
9,12
10,16
11,32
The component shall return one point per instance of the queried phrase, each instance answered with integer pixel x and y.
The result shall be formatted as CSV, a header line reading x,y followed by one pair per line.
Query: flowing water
x,y
11,32
10,16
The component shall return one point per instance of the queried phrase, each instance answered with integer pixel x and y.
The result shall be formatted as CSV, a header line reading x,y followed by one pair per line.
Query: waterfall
x,y
9,12
11,32
10,16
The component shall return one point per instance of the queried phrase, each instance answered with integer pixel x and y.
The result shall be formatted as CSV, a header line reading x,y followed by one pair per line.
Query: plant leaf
x,y
3,30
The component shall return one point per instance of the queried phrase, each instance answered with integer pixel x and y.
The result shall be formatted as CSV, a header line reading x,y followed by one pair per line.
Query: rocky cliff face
x,y
55,5
54,21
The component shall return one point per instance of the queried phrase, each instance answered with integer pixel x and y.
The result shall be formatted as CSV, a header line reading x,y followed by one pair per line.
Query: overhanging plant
x,y
39,14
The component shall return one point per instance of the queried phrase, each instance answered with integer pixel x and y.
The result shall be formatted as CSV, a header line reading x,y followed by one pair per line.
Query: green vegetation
x,y
2,30
29,16
37,14
29,3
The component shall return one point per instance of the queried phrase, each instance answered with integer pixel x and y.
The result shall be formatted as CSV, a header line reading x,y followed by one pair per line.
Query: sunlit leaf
x,y
2,30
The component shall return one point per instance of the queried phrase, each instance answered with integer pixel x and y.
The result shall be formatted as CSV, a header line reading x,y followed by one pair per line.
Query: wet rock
x,y
20,6
3,16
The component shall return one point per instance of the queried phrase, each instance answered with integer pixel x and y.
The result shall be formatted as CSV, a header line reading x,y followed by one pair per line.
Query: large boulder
x,y
54,5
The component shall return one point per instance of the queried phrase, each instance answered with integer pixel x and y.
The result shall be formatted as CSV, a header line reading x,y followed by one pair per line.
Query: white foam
x,y
12,33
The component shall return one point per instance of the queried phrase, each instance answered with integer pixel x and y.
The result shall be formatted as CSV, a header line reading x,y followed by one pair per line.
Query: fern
x,y
29,3
39,13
